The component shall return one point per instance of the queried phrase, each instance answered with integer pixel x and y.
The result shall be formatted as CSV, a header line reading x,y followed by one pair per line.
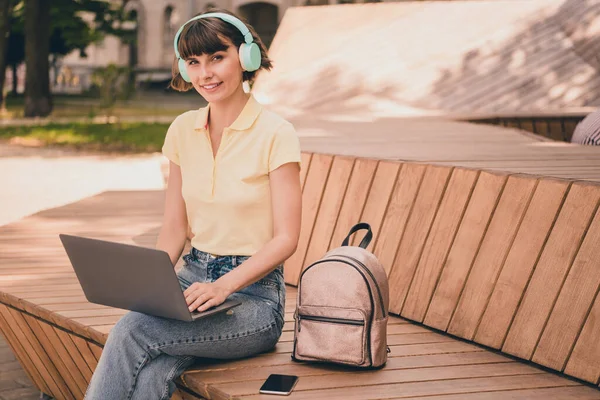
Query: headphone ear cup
x,y
250,56
182,70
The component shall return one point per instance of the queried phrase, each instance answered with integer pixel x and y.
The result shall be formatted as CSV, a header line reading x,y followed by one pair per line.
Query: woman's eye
x,y
191,62
217,58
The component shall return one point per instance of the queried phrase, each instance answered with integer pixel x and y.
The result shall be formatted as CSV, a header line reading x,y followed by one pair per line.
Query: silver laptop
x,y
131,277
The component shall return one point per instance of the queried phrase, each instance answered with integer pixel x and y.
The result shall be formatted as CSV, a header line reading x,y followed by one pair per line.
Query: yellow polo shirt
x,y
227,197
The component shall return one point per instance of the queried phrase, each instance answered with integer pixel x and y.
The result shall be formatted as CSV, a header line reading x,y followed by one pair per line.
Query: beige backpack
x,y
342,308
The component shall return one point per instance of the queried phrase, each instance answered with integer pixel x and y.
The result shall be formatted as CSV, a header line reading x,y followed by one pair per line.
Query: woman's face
x,y
216,76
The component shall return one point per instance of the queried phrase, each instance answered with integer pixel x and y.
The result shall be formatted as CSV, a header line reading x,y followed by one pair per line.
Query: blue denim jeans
x,y
145,354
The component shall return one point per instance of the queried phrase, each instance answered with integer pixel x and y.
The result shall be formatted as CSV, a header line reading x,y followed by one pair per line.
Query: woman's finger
x,y
199,301
194,296
192,288
208,304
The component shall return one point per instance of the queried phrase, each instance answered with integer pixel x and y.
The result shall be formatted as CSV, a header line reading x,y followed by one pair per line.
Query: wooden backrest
x,y
508,261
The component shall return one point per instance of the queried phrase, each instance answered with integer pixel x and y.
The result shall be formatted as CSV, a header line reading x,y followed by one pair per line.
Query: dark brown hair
x,y
206,36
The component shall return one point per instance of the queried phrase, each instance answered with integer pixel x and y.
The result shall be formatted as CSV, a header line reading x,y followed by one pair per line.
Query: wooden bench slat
x,y
68,343
464,249
583,361
555,261
573,304
401,203
354,380
59,357
38,356
497,241
86,353
329,210
357,191
568,392
423,213
431,388
443,232
57,293
311,200
377,200
17,346
518,267
300,369
305,159
72,370
281,360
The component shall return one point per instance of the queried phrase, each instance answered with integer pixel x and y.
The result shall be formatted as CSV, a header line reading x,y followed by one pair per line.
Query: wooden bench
x,y
474,259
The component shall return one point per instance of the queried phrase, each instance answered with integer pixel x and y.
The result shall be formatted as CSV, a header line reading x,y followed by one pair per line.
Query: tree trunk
x,y
15,82
5,9
38,102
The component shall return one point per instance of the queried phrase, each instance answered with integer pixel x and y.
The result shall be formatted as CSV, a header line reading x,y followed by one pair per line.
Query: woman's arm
x,y
286,197
173,232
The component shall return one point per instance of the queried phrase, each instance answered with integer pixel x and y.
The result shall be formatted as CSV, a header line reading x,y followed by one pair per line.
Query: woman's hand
x,y
203,295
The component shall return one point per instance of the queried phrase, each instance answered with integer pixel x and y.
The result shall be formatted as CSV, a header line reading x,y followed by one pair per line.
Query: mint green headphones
x,y
249,52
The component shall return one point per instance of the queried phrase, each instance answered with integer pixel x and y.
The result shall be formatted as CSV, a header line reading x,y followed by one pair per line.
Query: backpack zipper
x,y
345,321
372,277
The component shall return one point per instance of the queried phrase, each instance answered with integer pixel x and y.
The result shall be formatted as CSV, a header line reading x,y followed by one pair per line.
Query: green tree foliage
x,y
113,85
74,25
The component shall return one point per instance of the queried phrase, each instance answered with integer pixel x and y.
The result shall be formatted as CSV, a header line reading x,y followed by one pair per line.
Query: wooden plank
x,y
56,356
567,392
208,375
428,388
493,251
305,159
86,353
22,355
524,253
73,372
583,361
350,380
282,360
311,200
551,270
419,224
464,249
573,304
399,209
67,342
38,356
333,197
354,201
443,232
377,200
96,350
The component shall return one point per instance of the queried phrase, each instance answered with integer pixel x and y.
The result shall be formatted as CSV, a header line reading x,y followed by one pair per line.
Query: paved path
x,y
34,179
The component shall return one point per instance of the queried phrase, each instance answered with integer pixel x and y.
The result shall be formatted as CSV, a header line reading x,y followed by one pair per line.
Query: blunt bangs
x,y
204,36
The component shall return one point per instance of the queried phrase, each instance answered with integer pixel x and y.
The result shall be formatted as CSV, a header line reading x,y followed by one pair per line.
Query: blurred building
x,y
156,22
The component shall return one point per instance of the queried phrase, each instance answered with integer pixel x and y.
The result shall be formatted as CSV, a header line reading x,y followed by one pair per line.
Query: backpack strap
x,y
366,240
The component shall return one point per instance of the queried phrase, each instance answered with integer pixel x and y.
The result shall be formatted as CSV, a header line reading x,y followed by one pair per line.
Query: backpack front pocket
x,y
331,334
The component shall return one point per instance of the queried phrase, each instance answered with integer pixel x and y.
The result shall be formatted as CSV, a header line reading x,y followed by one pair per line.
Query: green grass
x,y
120,137
86,107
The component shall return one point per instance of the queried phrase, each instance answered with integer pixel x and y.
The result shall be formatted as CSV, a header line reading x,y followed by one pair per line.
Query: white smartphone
x,y
279,384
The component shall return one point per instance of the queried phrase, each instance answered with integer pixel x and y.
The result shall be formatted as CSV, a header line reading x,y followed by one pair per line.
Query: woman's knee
x,y
129,330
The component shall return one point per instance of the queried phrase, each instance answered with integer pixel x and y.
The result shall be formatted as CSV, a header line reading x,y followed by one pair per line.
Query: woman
x,y
234,183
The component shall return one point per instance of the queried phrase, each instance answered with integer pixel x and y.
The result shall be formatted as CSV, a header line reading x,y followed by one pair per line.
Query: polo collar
x,y
244,121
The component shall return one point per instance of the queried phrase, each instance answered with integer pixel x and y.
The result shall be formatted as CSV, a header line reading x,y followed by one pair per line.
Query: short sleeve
x,y
171,146
285,147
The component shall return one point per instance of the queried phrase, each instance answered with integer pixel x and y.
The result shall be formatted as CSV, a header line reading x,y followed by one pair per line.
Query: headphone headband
x,y
225,17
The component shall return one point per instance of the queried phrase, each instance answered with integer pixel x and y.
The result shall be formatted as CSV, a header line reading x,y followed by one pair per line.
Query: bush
x,y
113,83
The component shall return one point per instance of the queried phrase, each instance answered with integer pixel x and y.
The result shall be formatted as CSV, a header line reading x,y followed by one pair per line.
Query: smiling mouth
x,y
211,86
